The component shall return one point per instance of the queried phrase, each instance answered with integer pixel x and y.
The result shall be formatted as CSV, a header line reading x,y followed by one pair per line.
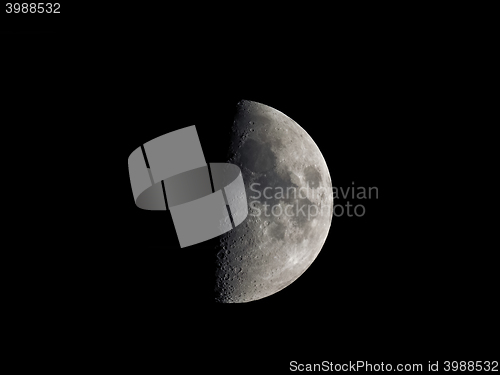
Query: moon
x,y
290,206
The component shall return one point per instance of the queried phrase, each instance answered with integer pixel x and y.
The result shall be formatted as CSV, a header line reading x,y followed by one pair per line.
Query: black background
x,y
92,88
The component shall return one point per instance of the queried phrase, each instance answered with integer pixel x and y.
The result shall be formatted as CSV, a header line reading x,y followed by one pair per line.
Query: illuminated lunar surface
x,y
278,242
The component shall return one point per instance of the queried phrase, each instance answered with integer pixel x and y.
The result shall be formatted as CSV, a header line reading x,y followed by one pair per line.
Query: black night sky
x,y
94,85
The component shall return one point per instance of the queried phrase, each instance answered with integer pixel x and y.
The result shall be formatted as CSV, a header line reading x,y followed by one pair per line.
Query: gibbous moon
x,y
290,203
